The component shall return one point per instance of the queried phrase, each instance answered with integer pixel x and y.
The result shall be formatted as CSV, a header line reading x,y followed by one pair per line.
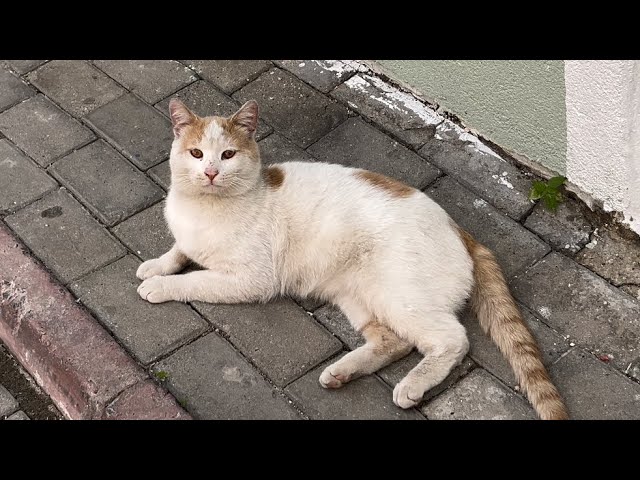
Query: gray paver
x,y
292,107
567,229
338,324
136,129
279,337
24,66
574,301
395,372
205,100
150,79
12,89
105,182
399,114
212,381
613,257
75,85
324,75
147,330
64,236
484,351
229,75
146,233
593,390
497,181
21,181
276,149
42,130
357,144
478,396
162,174
366,398
19,415
8,404
309,304
513,245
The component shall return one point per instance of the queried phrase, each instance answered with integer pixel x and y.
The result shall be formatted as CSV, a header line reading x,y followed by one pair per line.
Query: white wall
x,y
603,133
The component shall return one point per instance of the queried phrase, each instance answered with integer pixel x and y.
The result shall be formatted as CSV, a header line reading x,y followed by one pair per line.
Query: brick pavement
x,y
83,174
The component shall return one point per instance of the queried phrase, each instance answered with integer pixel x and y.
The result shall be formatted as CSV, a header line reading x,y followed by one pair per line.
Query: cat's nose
x,y
211,173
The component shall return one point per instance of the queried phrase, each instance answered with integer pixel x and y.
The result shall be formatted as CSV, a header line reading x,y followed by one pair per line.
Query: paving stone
x,y
145,401
613,256
279,337
324,75
338,324
205,100
495,180
146,233
12,90
229,75
21,181
147,330
366,398
162,174
486,354
292,107
276,148
213,382
8,404
633,290
309,304
592,390
575,301
75,85
42,130
152,80
64,236
567,230
513,245
136,129
19,415
397,112
105,182
357,144
24,66
478,396
395,372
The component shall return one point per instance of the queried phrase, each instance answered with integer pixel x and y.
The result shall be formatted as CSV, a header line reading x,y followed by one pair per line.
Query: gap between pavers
x,y
79,365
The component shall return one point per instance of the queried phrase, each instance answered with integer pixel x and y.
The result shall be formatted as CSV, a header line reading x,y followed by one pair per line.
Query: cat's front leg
x,y
205,286
171,262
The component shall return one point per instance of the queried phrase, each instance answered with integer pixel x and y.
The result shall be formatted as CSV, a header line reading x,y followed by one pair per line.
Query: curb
x,y
87,374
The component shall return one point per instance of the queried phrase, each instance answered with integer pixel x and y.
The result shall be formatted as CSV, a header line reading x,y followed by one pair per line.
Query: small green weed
x,y
161,375
548,192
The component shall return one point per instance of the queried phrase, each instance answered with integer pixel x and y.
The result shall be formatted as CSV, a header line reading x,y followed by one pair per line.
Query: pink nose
x,y
211,173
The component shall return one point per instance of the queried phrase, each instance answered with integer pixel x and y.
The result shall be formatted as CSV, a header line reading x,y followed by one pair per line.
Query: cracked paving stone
x,y
324,75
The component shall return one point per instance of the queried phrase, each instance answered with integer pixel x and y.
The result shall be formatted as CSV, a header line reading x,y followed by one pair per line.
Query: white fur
x,y
326,233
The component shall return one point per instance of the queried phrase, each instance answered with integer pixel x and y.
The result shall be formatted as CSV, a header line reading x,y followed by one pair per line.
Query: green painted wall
x,y
519,105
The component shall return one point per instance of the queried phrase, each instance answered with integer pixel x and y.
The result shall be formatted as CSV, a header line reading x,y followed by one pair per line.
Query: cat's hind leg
x,y
381,348
443,342
171,262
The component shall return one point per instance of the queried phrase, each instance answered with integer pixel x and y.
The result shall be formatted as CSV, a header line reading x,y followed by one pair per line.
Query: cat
x,y
386,254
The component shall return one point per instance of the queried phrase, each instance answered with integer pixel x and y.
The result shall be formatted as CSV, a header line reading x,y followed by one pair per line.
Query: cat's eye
x,y
196,152
227,154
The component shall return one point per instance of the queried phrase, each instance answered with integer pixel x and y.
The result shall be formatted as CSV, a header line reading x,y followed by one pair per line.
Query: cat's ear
x,y
247,117
181,116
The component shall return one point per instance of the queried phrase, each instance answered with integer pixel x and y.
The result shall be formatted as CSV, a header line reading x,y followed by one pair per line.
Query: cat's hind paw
x,y
155,290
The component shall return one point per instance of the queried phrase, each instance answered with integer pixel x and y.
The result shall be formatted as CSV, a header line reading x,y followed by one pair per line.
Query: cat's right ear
x,y
181,116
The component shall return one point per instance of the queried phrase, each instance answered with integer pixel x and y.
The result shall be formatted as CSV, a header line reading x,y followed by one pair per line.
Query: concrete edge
x,y
87,374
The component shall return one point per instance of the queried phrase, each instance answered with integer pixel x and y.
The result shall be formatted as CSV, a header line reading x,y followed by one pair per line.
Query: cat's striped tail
x,y
501,319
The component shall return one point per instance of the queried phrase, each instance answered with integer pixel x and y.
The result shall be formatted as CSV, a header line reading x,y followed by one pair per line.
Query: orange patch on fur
x,y
273,176
193,133
240,138
390,185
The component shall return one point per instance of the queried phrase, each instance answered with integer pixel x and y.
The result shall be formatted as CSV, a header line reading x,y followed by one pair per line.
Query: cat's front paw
x,y
407,394
149,269
155,290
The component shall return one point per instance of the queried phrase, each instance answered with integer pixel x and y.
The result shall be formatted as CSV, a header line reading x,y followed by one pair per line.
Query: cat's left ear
x,y
247,117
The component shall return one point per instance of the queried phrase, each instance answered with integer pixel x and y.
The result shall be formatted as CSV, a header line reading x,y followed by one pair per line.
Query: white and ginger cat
x,y
385,253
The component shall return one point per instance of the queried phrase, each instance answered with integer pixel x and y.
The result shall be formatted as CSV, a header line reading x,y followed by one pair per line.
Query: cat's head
x,y
214,155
